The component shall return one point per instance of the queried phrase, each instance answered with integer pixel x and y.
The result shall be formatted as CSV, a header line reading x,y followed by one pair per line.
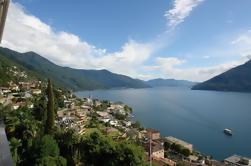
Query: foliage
x,y
178,148
128,109
167,145
186,152
119,116
96,149
137,125
68,143
50,110
59,99
14,146
47,152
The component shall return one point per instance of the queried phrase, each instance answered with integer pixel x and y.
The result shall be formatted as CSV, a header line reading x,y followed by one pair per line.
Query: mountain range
x,y
74,79
159,82
236,79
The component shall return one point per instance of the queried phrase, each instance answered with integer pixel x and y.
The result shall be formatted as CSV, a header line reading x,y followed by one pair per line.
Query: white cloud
x,y
242,44
24,32
170,67
181,9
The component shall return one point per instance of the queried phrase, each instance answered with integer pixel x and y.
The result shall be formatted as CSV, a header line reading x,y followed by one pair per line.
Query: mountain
x,y
236,79
169,83
11,71
74,79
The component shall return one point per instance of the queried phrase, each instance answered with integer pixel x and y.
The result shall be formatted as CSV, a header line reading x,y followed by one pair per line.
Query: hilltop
x,y
236,79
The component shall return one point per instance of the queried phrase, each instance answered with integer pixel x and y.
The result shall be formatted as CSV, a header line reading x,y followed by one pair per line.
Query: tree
x,y
14,145
97,149
46,152
129,154
40,108
68,144
186,152
50,110
136,125
167,145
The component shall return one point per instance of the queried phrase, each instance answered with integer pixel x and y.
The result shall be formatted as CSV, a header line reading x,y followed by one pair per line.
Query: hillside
x,y
11,71
75,79
236,79
169,83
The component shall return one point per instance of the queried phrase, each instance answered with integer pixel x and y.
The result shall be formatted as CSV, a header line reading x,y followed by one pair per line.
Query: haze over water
x,y
197,117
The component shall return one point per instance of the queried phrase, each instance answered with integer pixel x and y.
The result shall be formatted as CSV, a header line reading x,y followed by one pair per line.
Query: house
x,y
97,103
105,120
31,106
180,142
2,100
36,91
114,123
157,150
103,114
236,160
153,134
127,123
164,161
14,87
5,90
85,107
116,106
132,133
24,85
18,105
27,95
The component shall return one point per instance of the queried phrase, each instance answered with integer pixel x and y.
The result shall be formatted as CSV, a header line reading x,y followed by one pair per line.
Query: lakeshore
x,y
120,115
191,116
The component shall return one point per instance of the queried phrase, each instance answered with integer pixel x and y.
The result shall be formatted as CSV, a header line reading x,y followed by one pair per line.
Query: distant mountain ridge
x,y
236,79
159,82
75,79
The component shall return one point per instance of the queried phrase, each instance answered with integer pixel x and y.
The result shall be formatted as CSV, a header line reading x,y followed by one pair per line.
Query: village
x,y
85,115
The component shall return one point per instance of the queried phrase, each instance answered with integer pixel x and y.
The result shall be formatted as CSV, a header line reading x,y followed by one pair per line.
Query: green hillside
x,y
74,79
236,79
11,71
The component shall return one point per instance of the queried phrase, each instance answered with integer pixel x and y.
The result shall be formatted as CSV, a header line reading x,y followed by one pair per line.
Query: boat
x,y
228,132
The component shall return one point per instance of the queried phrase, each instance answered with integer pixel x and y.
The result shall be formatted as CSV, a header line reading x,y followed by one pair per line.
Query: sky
x,y
181,39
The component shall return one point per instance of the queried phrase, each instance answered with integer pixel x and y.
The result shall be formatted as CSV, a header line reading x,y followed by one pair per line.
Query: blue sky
x,y
182,39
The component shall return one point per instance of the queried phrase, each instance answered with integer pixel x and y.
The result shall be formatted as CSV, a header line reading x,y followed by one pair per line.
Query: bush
x,y
186,152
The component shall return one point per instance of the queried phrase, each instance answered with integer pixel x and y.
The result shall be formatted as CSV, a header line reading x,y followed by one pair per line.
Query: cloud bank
x,y
25,32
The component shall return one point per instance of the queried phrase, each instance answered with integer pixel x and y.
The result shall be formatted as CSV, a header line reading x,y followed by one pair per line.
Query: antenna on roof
x,y
4,5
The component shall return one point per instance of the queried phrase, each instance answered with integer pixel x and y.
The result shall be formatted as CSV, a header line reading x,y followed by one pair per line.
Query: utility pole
x,y
4,5
150,148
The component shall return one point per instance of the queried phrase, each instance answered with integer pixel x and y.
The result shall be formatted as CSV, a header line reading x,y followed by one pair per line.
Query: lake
x,y
197,117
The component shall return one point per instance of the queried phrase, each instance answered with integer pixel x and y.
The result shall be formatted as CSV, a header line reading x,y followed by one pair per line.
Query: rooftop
x,y
152,130
178,141
238,160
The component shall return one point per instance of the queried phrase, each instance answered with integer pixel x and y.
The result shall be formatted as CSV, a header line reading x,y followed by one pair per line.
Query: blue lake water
x,y
198,117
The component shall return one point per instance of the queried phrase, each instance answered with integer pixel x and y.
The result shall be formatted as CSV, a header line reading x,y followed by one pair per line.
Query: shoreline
x,y
219,135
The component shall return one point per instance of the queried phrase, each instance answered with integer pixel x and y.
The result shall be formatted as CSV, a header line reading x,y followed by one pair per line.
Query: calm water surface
x,y
198,117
